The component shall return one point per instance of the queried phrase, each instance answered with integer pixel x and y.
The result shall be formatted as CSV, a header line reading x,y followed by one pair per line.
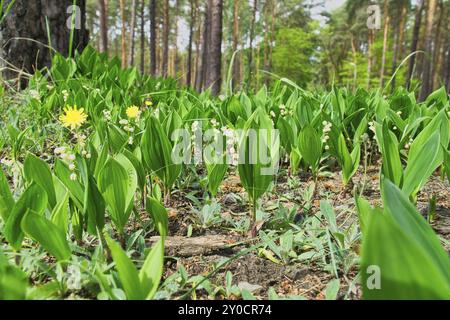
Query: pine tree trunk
x,y
133,32
252,38
103,25
27,20
426,77
399,38
191,40
166,32
236,67
370,57
199,56
206,42
438,57
123,34
153,40
142,36
385,42
213,77
414,42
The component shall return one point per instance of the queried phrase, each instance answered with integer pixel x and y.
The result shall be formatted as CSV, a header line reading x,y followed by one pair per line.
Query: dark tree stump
x,y
23,34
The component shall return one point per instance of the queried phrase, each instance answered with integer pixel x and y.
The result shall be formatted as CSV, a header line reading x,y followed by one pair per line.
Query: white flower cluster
x,y
107,115
65,95
231,140
408,145
6,162
35,94
326,130
66,155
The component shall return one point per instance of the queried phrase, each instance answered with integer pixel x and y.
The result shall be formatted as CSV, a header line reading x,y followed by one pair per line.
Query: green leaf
x,y
159,215
406,270
157,153
422,164
127,271
152,270
38,171
50,236
13,281
34,198
6,199
60,214
414,225
253,171
118,186
310,146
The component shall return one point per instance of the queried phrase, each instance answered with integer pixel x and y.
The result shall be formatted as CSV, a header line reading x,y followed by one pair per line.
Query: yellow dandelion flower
x,y
73,117
148,103
133,112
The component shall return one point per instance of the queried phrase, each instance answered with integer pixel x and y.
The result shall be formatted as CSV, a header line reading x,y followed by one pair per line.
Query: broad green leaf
x,y
116,185
127,271
60,214
6,198
405,269
414,225
50,236
421,164
159,215
34,198
152,270
38,171
310,146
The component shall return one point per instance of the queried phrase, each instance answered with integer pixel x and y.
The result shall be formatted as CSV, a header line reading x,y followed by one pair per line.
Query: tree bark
x,y
385,41
193,4
142,36
213,77
205,46
252,38
123,34
236,67
133,32
27,20
166,32
414,42
153,62
398,46
426,78
103,26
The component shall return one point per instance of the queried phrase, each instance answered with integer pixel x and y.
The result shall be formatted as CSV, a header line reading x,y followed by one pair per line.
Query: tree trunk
x,y
27,21
206,42
103,25
398,46
426,78
236,67
199,56
153,62
213,78
438,59
175,40
370,57
133,32
142,36
123,34
191,40
414,42
385,42
252,38
166,32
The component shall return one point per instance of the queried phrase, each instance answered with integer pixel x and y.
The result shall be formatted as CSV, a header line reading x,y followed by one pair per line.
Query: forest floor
x,y
307,279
